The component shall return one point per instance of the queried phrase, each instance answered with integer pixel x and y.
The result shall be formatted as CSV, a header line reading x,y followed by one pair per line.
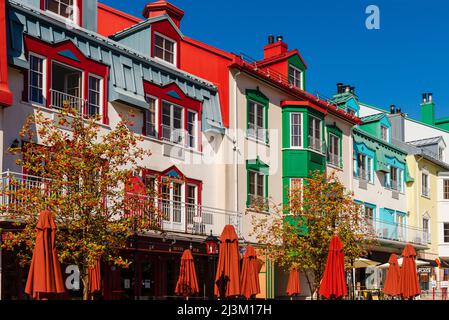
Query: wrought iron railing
x,y
174,215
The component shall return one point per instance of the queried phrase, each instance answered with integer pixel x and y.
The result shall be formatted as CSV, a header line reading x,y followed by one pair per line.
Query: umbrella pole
x,y
353,283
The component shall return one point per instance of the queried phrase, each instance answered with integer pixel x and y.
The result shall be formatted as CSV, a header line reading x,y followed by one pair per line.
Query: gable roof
x,y
266,62
145,25
427,141
373,117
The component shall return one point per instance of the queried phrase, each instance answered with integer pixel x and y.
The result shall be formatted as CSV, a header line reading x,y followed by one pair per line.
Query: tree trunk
x,y
85,279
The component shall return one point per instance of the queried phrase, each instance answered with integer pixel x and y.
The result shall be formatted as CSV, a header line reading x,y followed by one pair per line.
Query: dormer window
x,y
164,48
63,8
295,76
384,133
440,153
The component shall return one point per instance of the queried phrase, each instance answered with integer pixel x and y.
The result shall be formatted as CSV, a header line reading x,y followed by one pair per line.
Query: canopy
x,y
187,284
408,283
333,283
392,280
360,263
417,262
249,278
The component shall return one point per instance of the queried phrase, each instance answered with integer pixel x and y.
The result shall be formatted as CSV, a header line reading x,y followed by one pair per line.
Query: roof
x,y
120,58
280,57
373,118
239,63
426,142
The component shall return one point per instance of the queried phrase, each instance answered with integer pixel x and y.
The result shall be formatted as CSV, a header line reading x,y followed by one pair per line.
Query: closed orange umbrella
x,y
227,279
333,284
95,278
392,280
249,278
45,277
409,284
294,283
187,282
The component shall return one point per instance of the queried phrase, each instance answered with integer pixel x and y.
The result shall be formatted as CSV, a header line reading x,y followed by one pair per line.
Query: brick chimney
x,y
273,49
158,8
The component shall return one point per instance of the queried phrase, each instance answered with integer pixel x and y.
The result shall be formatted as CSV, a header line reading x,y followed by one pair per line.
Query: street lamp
x,y
212,250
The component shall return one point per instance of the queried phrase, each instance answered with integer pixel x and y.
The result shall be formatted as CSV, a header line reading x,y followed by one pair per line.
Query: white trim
x,y
157,105
44,79
321,133
101,92
195,130
172,129
175,49
301,124
301,84
264,120
76,14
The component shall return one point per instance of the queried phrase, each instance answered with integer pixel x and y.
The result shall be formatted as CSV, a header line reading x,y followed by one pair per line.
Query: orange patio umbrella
x,y
227,279
249,278
333,283
45,277
187,284
95,278
392,280
409,284
294,284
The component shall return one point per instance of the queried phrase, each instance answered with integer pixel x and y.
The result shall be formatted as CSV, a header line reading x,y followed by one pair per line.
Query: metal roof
x,y
373,118
23,19
426,141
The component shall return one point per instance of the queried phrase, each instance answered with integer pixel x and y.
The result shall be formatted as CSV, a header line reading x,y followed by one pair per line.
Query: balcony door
x,y
66,88
173,208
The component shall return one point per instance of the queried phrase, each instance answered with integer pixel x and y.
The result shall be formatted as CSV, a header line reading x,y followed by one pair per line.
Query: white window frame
x,y
369,169
195,130
75,14
254,133
301,136
256,185
445,198
313,132
427,179
338,155
172,129
44,79
101,93
444,229
387,131
156,117
295,79
175,49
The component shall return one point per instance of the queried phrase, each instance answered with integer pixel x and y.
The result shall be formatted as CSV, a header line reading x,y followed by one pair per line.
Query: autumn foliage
x,y
297,235
78,170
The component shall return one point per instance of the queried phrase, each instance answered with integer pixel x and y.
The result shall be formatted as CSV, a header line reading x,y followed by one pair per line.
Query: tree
x,y
81,173
298,234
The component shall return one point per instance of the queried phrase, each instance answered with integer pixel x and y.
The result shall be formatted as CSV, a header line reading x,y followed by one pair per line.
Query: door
x,y
172,206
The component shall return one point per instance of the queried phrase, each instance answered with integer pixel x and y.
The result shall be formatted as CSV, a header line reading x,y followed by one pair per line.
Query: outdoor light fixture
x,y
211,244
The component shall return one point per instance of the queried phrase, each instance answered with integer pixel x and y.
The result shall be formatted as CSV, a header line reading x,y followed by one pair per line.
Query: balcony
x,y
400,233
60,100
315,144
173,216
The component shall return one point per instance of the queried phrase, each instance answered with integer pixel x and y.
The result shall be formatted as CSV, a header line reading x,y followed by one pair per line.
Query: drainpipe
x,y
351,162
235,147
417,195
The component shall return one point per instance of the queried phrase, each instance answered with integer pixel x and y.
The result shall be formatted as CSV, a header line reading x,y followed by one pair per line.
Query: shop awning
x,y
418,263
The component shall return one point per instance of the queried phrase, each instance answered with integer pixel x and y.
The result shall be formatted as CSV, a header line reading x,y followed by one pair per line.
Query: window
x,y
191,203
164,48
425,228
446,232
384,133
440,153
64,8
315,133
150,117
369,215
361,166
172,123
352,112
36,79
425,190
334,150
94,96
394,178
446,189
296,130
150,184
369,169
256,186
256,121
295,77
191,129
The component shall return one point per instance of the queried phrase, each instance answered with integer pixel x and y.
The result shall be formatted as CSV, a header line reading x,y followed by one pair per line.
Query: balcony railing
x,y
60,100
399,232
315,144
174,216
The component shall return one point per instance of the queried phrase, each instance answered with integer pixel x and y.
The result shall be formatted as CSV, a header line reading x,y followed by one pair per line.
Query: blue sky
x,y
393,65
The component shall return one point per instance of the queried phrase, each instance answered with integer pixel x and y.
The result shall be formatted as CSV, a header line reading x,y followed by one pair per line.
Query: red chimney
x,y
275,49
158,8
